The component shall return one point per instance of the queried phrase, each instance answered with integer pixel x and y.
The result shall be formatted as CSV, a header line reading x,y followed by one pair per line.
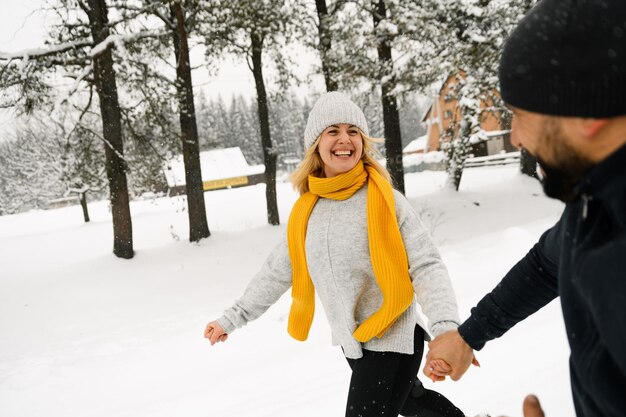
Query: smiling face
x,y
551,140
341,148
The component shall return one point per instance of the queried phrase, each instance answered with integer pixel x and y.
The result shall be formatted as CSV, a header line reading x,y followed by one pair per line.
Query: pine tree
x,y
105,82
288,128
368,33
462,40
220,123
46,160
204,118
82,44
325,42
250,132
178,17
411,112
198,225
254,29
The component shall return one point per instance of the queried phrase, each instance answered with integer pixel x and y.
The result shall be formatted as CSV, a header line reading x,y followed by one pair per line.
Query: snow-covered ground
x,y
86,334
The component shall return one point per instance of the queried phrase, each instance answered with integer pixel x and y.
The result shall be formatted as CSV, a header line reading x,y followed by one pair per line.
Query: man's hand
x,y
448,354
215,333
531,407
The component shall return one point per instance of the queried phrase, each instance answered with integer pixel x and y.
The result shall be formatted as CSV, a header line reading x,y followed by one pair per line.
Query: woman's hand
x,y
448,354
215,333
439,369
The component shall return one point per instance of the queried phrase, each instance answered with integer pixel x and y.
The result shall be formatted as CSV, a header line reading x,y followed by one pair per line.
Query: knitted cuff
x,y
226,324
442,327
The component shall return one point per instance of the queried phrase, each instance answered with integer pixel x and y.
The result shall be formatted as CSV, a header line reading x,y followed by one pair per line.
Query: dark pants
x,y
385,384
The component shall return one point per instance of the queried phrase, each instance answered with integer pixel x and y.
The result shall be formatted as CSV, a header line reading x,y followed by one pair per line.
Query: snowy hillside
x,y
85,334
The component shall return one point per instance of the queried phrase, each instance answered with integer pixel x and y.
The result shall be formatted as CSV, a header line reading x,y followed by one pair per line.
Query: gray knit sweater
x,y
337,252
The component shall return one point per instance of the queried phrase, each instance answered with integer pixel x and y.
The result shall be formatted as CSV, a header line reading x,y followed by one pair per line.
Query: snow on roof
x,y
216,164
492,133
423,158
416,145
427,112
483,135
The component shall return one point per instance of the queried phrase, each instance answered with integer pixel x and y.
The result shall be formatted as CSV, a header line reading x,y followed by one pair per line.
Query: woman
x,y
360,245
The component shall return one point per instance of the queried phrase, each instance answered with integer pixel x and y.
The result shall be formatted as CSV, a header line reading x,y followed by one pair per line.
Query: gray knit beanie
x,y
330,109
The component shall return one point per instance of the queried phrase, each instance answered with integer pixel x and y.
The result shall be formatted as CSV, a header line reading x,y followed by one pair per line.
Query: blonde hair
x,y
312,163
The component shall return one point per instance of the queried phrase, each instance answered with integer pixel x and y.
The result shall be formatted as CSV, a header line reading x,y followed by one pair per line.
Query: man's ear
x,y
589,127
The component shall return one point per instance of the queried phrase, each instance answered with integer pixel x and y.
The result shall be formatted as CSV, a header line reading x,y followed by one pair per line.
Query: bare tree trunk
x,y
269,153
83,203
104,77
325,44
198,226
391,116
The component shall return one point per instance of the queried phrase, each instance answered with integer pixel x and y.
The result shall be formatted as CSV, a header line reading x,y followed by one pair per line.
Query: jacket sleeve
x,y
267,286
528,286
431,281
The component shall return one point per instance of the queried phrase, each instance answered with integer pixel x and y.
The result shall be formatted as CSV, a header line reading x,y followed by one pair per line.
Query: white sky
x,y
20,28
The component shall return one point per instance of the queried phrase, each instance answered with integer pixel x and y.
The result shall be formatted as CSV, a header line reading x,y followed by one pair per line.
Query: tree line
x,y
127,71
40,165
235,123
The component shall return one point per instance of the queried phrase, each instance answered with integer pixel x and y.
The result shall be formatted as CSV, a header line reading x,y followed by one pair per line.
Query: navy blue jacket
x,y
582,259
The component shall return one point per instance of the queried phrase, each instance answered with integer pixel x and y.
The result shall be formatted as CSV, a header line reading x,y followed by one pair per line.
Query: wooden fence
x,y
492,160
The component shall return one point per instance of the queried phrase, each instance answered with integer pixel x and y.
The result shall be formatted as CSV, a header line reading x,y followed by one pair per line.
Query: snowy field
x,y
84,334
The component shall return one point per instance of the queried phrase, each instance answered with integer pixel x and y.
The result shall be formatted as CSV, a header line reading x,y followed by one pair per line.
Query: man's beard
x,y
560,177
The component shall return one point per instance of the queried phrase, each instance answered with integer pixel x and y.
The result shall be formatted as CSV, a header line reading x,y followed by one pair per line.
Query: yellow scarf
x,y
387,251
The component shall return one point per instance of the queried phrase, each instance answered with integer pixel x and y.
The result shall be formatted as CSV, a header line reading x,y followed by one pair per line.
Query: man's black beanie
x,y
568,58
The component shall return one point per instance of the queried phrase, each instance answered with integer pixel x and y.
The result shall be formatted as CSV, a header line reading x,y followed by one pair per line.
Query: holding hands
x,y
215,333
448,355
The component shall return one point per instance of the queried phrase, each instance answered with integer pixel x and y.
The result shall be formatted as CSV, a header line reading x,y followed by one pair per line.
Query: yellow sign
x,y
223,183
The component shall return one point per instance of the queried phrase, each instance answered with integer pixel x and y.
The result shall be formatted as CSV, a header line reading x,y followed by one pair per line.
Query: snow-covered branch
x,y
121,39
36,53
44,52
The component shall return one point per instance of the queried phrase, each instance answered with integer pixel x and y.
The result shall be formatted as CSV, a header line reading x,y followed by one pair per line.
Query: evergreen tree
x,y
325,41
220,124
463,40
255,150
178,19
371,104
250,132
47,160
81,46
368,34
254,29
284,124
106,87
204,117
411,112
239,126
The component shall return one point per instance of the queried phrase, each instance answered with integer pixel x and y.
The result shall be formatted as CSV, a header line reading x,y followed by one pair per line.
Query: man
x,y
563,74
